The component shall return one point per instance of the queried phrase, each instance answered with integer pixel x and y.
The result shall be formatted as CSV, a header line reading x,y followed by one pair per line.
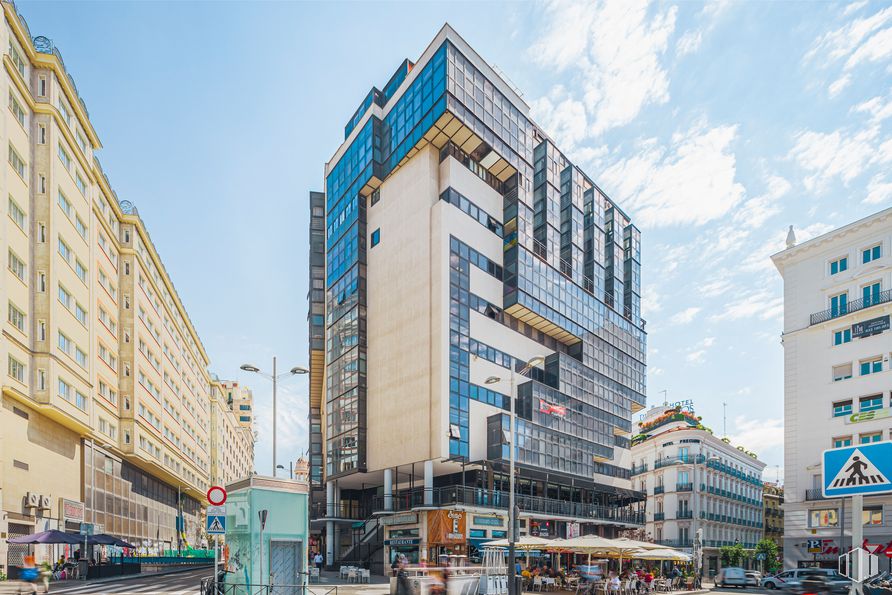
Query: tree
x,y
732,555
769,548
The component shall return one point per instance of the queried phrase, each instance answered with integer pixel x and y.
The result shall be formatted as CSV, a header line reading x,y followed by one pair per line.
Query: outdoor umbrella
x,y
48,537
105,539
525,543
661,554
587,544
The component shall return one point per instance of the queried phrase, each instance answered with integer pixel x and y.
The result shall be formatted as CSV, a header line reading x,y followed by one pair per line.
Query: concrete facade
x,y
836,378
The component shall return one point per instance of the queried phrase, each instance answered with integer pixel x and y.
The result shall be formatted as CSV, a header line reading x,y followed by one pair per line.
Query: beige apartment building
x,y
106,406
232,437
240,401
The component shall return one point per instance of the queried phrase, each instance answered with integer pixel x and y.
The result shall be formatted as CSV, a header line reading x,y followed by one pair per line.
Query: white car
x,y
731,577
753,578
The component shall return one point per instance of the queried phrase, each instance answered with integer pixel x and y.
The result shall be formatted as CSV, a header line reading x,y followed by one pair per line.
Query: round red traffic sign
x,y
216,496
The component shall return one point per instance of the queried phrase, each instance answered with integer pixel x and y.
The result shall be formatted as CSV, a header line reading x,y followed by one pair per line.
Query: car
x,y
820,581
731,576
753,578
790,579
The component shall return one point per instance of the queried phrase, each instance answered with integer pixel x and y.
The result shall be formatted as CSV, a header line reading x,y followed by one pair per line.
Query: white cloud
x,y
755,212
651,300
854,7
692,181
715,287
688,43
850,38
616,49
839,154
761,434
686,316
878,190
654,371
562,116
837,86
761,304
878,108
696,357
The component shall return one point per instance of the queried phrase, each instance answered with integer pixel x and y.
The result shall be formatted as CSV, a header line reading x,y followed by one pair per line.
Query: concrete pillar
x,y
329,543
337,543
388,489
428,483
329,498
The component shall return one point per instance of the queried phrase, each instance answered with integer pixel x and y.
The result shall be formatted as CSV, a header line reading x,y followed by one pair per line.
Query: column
x,y
388,489
336,555
329,499
428,483
329,544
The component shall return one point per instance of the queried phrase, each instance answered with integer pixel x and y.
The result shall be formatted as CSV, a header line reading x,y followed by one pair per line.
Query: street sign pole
x,y
857,538
216,558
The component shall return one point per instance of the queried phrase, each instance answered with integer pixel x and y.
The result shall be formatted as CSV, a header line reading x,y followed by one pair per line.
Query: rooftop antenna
x,y
777,474
665,396
724,419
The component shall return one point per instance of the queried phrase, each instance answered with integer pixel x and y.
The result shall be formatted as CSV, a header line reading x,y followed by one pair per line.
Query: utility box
x,y
267,533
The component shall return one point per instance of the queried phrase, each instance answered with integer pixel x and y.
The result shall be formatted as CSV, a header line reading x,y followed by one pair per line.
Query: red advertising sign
x,y
551,408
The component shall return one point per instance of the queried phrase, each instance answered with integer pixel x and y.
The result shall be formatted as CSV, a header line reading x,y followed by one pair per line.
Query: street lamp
x,y
512,514
290,469
292,372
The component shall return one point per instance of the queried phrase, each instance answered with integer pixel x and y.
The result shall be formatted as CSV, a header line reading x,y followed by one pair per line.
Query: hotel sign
x,y
857,418
870,327
72,510
409,518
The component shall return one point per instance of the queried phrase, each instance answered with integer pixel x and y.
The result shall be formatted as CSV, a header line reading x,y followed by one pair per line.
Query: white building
x,y
837,302
695,480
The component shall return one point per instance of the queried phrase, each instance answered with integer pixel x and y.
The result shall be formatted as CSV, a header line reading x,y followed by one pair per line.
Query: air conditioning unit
x,y
45,502
32,500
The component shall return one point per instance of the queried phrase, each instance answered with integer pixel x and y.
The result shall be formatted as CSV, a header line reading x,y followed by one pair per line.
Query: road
x,y
181,583
747,591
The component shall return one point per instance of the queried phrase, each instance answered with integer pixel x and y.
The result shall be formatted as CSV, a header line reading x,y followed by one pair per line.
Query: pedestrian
x,y
402,579
319,561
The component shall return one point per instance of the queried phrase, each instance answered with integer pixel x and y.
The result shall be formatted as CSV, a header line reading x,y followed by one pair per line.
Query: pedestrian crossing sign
x,y
216,525
854,470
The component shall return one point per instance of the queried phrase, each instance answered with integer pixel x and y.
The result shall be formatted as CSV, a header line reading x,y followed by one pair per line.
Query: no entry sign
x,y
216,496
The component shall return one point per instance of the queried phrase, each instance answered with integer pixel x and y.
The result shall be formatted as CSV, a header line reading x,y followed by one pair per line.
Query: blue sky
x,y
714,125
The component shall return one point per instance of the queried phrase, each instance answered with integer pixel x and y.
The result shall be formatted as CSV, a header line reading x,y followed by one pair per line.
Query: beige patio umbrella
x,y
661,554
525,543
588,544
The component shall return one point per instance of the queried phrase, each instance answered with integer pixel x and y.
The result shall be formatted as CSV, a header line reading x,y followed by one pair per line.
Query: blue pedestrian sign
x,y
858,470
216,525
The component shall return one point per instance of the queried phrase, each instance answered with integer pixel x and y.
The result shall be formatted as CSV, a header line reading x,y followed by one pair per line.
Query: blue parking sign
x,y
853,470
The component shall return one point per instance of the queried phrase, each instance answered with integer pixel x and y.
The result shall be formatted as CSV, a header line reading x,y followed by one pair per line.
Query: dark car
x,y
820,581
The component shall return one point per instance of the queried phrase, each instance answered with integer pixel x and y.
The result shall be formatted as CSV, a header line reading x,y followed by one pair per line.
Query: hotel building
x,y
837,303
696,484
459,245
106,398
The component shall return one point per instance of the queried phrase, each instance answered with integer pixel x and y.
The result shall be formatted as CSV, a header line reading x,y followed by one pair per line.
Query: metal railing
x,y
684,514
638,469
814,494
451,495
675,542
210,586
476,168
854,306
684,487
659,516
659,490
340,510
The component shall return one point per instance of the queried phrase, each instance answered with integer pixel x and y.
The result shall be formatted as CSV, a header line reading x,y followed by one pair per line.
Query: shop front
x,y
483,528
402,537
446,534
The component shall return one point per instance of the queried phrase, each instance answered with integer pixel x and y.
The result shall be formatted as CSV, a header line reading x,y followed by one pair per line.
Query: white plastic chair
x,y
537,583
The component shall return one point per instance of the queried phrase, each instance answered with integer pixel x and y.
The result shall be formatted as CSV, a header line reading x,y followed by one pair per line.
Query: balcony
x,y
639,469
684,514
659,490
342,510
814,494
675,542
685,460
452,495
854,306
684,487
659,516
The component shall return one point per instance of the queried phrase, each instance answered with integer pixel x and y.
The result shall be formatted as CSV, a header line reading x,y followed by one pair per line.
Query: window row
x,y
865,367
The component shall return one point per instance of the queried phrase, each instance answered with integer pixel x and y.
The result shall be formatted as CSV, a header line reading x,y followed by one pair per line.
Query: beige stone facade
x,y
106,396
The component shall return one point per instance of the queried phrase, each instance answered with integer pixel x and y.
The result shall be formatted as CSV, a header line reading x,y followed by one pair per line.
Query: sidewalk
x,y
62,586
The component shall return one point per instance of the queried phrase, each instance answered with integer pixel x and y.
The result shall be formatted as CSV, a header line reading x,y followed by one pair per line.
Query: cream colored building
x,y
240,400
837,307
232,441
106,397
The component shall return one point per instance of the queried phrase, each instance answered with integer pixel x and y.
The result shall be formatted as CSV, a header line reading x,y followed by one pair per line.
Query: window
x,y
63,109
81,314
41,183
81,185
65,204
41,379
871,403
16,57
80,357
41,134
64,157
81,141
41,281
16,161
16,369
65,297
16,214
871,254
41,232
16,317
843,336
41,86
842,441
65,343
16,108
842,372
64,250
376,237
41,330
81,271
872,515
16,265
872,366
80,226
868,438
871,294
376,196
839,304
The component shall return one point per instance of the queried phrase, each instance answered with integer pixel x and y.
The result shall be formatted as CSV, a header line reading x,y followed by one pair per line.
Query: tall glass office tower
x,y
460,244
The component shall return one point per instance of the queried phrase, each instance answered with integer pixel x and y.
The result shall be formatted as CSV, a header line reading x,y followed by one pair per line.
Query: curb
x,y
65,585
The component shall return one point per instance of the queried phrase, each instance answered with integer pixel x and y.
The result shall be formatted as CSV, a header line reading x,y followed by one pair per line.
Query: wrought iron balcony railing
x,y
854,306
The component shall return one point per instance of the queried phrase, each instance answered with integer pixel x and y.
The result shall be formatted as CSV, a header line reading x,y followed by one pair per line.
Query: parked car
x,y
753,578
731,577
